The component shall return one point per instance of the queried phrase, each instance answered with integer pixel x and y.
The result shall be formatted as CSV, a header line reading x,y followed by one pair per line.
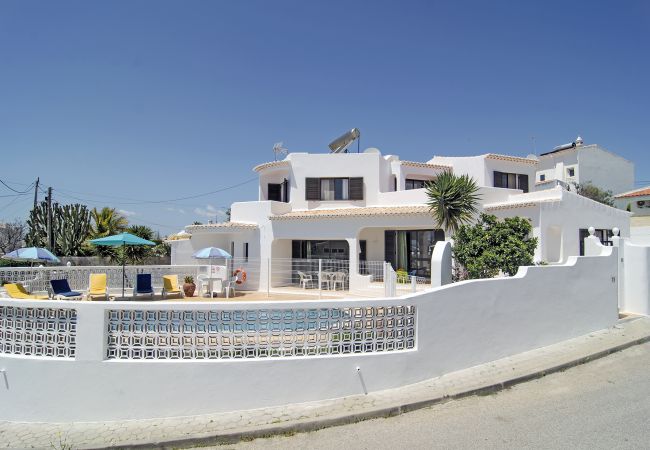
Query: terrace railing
x,y
330,274
38,278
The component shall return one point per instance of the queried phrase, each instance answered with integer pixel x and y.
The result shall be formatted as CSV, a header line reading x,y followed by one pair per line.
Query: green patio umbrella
x,y
121,240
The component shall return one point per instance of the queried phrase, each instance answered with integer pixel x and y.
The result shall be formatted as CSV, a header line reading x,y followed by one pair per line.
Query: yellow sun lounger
x,y
97,290
16,290
170,286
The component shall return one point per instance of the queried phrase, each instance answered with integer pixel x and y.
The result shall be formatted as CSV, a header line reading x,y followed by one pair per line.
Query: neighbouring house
x,y
637,202
579,163
362,207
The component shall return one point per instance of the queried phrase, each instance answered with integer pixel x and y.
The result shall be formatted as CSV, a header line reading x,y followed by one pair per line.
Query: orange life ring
x,y
240,279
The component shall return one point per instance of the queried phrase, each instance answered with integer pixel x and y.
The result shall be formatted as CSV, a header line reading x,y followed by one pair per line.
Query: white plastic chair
x,y
338,278
305,279
202,284
229,286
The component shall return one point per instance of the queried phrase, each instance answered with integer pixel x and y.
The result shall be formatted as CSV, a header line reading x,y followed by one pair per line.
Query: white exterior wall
x,y
275,176
635,270
181,252
591,164
375,243
482,168
605,170
635,209
470,165
557,217
537,307
555,166
416,173
509,167
373,167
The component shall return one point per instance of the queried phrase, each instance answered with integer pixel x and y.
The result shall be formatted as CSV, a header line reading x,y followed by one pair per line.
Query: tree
x,y
107,222
136,254
12,236
494,245
70,228
595,193
452,200
37,226
72,225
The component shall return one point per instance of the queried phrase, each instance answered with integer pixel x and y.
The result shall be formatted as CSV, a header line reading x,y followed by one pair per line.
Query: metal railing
x,y
38,278
374,268
329,274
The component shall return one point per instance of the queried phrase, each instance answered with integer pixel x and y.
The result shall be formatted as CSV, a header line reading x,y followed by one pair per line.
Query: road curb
x,y
381,412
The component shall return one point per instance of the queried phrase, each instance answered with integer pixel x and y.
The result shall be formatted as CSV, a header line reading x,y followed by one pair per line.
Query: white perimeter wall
x,y
458,326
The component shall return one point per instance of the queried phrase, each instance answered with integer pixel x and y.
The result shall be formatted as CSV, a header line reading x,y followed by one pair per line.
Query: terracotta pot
x,y
188,289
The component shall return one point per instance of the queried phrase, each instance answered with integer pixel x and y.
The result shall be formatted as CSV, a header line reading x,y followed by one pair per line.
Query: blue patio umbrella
x,y
121,240
32,254
211,253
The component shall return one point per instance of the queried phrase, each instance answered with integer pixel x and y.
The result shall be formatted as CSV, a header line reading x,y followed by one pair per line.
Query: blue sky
x,y
138,104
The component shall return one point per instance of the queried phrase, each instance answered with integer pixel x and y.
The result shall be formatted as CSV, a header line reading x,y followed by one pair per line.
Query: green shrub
x,y
493,245
402,276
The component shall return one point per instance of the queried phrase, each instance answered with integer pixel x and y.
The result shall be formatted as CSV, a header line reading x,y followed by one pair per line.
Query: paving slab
x,y
208,429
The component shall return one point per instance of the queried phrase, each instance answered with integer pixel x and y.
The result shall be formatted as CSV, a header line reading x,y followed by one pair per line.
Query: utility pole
x,y
50,237
36,192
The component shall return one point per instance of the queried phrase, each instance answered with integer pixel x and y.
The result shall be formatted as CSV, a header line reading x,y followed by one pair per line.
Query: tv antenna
x,y
279,150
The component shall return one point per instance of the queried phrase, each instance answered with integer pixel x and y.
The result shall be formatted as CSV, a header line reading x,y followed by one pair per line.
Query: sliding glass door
x,y
411,250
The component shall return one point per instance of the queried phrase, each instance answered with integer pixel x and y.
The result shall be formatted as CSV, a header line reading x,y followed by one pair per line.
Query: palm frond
x,y
452,200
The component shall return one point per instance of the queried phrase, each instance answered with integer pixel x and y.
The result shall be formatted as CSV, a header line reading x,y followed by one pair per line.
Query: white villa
x,y
372,207
638,203
579,163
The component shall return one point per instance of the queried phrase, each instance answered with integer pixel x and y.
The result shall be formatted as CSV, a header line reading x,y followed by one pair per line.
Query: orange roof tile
x,y
636,193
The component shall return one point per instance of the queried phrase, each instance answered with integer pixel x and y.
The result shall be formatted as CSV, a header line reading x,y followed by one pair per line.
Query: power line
x,y
144,202
11,202
14,190
13,195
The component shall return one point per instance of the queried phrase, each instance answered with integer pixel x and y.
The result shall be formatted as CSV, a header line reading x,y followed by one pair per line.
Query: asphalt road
x,y
602,404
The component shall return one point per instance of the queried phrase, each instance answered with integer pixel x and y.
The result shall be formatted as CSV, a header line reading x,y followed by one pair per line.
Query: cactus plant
x,y
70,228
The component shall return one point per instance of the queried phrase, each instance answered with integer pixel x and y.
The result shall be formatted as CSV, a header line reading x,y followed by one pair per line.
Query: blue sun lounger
x,y
61,288
143,284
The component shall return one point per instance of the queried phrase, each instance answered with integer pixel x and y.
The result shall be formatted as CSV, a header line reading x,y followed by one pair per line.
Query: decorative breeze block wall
x,y
43,332
263,333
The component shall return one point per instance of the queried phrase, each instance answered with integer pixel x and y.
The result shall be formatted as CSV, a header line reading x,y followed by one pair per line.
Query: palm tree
x,y
107,222
137,254
452,200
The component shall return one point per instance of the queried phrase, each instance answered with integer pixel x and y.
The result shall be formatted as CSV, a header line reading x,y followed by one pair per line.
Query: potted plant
x,y
189,287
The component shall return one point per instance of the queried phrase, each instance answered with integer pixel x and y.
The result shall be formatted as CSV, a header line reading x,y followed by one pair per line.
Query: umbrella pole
x,y
123,260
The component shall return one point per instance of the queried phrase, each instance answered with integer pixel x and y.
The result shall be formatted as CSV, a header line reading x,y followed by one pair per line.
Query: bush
x,y
492,246
402,276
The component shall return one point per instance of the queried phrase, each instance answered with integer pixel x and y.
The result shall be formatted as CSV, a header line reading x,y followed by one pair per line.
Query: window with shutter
x,y
275,192
498,179
312,189
522,182
356,188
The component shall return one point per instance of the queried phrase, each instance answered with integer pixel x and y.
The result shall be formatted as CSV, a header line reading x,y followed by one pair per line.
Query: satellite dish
x,y
279,151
